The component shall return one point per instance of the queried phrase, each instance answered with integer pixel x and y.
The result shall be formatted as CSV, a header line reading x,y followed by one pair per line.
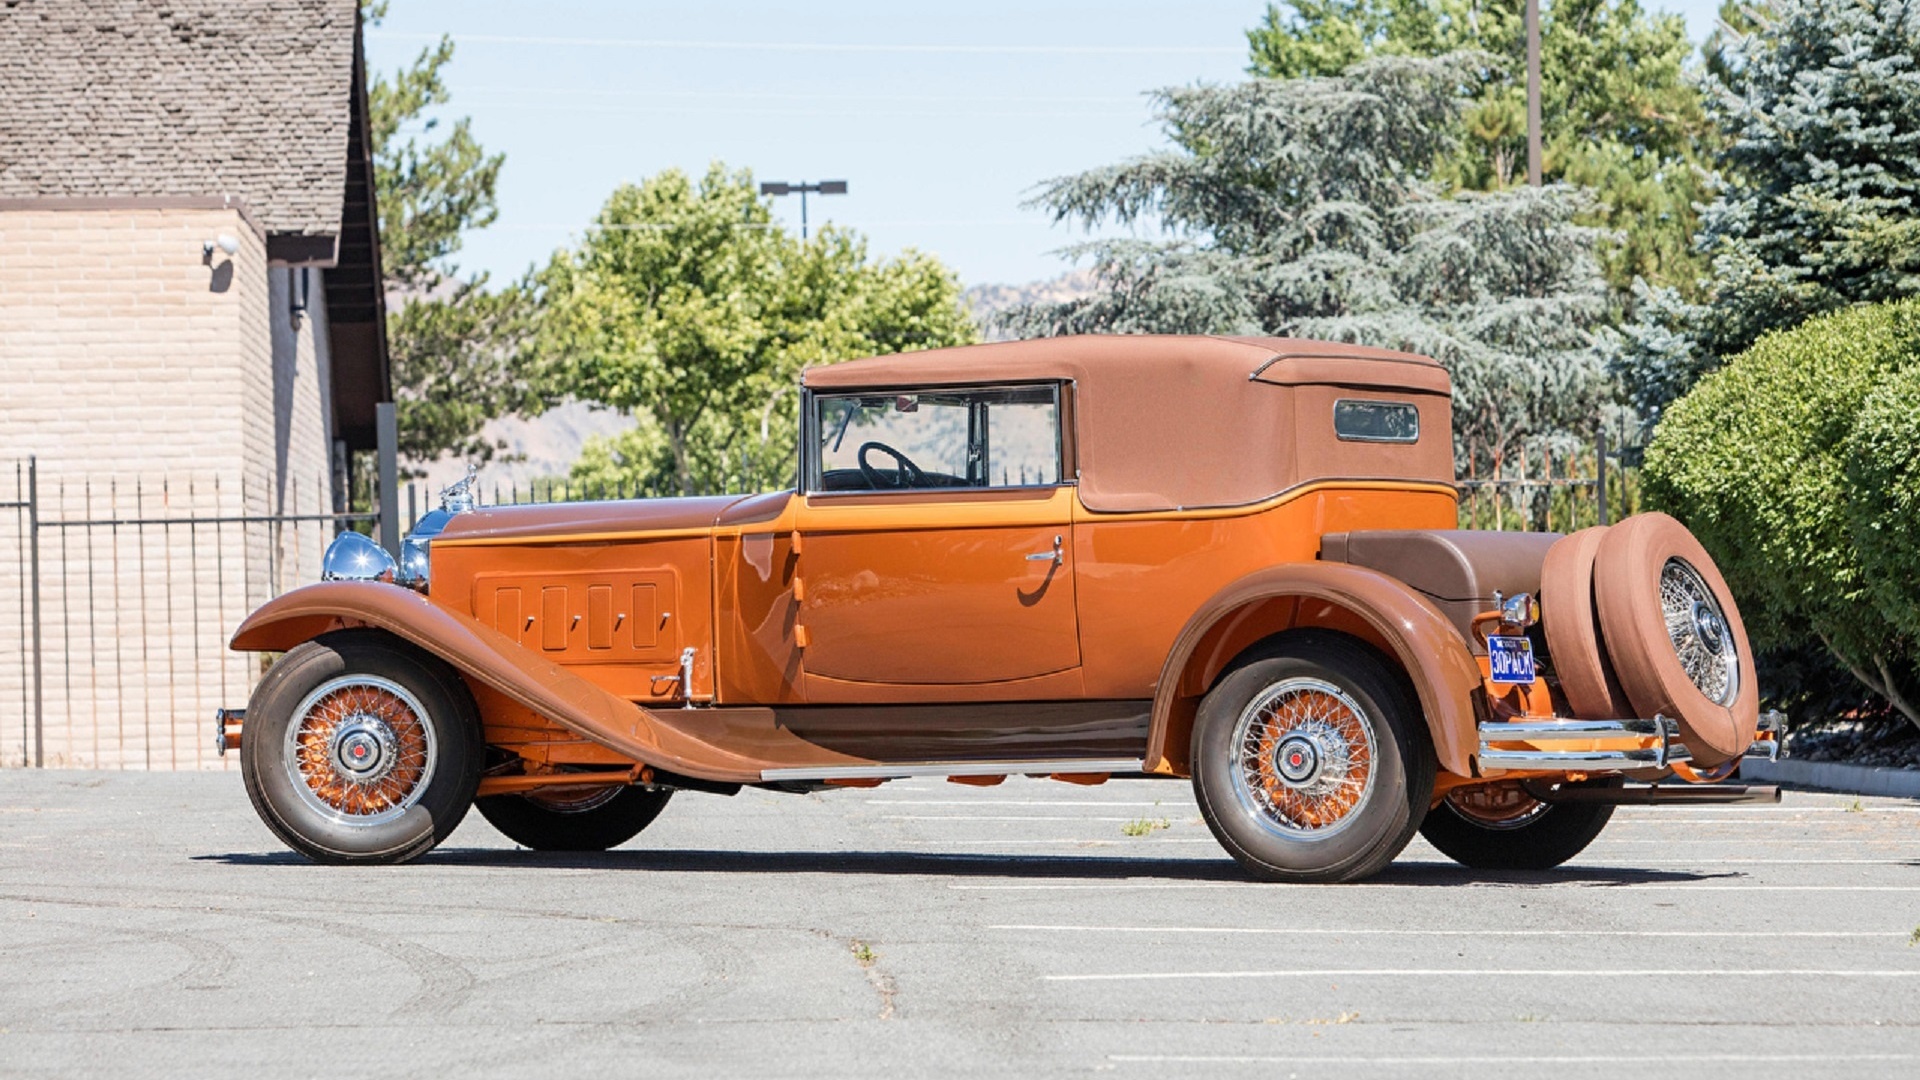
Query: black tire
x,y
1539,837
1266,821
585,821
435,755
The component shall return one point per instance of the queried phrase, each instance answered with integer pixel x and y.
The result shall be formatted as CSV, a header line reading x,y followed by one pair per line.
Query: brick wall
x,y
150,384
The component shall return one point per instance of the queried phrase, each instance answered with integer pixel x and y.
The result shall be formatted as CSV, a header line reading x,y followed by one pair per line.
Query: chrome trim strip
x,y
953,768
1667,750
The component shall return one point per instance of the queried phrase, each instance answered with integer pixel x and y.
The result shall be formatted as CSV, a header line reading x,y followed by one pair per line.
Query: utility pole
x,y
1533,92
824,187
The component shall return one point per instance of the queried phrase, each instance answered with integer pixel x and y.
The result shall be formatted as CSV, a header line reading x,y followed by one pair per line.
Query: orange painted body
x,y
823,629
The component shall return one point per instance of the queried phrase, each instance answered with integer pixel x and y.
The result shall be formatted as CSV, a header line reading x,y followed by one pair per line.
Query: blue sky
x,y
941,117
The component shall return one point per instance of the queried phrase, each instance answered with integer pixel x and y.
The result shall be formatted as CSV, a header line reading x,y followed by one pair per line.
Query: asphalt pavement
x,y
150,926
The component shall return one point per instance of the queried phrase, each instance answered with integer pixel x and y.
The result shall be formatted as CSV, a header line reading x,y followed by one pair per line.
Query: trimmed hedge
x,y
1795,466
1883,481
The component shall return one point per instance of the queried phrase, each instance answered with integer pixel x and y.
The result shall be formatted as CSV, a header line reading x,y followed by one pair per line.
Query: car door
x,y
936,539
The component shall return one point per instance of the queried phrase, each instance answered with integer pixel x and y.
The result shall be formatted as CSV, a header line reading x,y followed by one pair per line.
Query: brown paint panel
x,y
506,614
600,617
553,618
643,614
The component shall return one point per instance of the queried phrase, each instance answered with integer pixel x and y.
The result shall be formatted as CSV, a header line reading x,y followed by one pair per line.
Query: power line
x,y
828,47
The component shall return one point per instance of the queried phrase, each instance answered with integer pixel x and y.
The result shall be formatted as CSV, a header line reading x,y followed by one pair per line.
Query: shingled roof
x,y
156,98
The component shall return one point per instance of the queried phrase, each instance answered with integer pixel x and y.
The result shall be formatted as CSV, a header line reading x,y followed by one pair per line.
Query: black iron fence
x,y
1554,489
126,590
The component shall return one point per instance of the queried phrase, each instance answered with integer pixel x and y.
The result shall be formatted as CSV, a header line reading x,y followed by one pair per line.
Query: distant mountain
x,y
546,444
985,301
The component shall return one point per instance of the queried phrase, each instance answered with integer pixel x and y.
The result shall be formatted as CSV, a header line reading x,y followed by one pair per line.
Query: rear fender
x,y
1363,603
486,656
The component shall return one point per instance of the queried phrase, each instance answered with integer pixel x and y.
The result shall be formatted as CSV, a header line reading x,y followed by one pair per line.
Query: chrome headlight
x,y
415,564
353,557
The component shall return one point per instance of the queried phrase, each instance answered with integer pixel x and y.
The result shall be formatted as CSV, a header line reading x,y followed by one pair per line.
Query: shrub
x,y
1883,482
1784,462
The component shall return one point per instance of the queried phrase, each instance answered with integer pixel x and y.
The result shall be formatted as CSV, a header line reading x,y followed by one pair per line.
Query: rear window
x,y
1376,421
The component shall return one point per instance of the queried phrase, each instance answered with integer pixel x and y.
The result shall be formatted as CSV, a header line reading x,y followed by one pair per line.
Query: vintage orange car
x,y
1233,560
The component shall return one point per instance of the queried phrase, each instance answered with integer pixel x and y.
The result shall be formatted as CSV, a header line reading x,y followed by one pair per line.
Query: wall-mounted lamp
x,y
297,293
226,242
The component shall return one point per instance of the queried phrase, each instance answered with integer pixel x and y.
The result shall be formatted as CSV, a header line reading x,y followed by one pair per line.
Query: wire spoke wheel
x,y
1305,758
360,750
1698,629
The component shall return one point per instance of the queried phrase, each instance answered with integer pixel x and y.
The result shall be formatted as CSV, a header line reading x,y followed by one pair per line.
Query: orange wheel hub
x,y
360,749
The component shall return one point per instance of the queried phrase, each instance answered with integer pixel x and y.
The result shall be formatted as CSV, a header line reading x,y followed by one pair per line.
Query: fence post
x,y
386,437
33,547
1600,470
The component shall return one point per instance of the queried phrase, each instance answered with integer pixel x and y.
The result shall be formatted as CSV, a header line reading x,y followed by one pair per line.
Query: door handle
x,y
1054,556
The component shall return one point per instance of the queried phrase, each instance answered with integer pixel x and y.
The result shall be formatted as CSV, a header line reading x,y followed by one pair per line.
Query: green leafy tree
x,y
1797,467
1618,111
1818,105
1300,206
451,339
687,306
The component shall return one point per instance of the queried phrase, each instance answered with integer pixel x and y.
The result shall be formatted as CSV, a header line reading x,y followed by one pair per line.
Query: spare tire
x,y
1574,643
1675,637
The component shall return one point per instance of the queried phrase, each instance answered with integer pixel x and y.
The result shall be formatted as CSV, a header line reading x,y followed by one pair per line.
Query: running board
x,y
1658,794
954,768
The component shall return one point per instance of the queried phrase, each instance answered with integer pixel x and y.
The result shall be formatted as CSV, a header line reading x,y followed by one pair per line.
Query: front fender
x,y
481,653
1414,632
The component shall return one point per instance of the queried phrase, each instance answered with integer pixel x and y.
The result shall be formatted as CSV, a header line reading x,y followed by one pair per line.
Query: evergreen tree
x,y
1818,104
1619,113
1300,207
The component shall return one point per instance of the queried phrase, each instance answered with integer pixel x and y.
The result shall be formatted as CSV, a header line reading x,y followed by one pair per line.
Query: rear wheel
x,y
1312,764
358,748
1501,827
574,819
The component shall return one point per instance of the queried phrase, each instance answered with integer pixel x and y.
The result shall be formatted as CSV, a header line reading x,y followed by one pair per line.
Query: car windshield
x,y
973,438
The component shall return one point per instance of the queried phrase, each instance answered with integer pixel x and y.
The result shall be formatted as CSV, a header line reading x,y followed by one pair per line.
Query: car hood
x,y
553,521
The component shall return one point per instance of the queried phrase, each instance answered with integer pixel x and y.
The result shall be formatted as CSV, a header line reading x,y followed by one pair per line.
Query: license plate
x,y
1512,659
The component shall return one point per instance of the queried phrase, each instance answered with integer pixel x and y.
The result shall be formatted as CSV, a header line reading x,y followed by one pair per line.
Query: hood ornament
x,y
458,496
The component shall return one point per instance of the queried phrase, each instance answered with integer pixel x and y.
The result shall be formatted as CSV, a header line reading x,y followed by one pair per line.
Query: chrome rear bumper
x,y
1603,745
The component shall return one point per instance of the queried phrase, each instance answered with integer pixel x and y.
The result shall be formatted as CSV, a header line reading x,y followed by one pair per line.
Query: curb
x,y
1835,776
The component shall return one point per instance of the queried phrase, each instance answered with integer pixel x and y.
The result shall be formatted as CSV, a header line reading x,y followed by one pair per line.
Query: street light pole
x,y
824,187
1533,92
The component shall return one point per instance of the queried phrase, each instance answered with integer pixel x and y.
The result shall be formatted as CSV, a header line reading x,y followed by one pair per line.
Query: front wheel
x,y
1313,764
559,819
358,748
1501,827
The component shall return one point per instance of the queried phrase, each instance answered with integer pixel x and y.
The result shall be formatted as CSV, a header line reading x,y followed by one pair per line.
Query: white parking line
x,y
994,817
1517,973
1517,886
1690,861
1023,802
1133,841
1378,932
1503,1059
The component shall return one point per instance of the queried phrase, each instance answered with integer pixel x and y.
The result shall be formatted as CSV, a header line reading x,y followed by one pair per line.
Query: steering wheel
x,y
905,472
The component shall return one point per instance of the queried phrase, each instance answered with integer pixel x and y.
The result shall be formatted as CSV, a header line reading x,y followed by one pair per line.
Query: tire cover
x,y
1574,642
1627,580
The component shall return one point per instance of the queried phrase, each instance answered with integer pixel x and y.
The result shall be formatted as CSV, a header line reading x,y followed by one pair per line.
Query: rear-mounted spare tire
x,y
1572,626
1675,637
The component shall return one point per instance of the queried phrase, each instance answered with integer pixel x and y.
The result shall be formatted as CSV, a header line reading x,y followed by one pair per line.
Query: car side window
x,y
989,437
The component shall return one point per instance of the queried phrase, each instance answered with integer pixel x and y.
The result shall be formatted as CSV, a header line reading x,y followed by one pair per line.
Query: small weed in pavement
x,y
1144,826
863,953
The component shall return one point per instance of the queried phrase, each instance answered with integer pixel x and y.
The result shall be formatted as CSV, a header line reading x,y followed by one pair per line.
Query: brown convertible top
x,y
1167,422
